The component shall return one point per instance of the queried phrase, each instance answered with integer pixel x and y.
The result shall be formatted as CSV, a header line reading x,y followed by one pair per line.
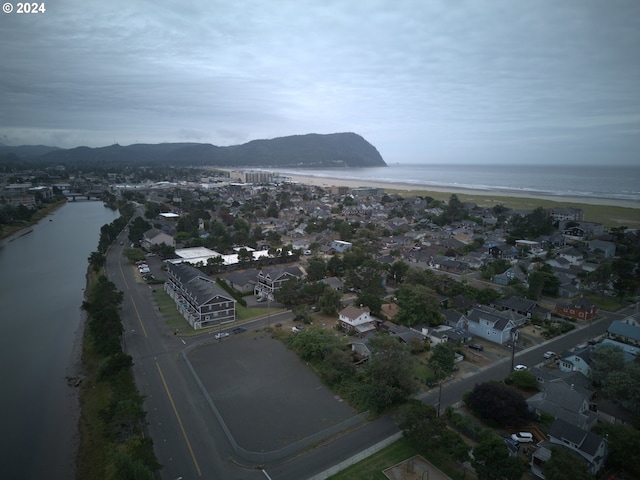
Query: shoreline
x,y
327,181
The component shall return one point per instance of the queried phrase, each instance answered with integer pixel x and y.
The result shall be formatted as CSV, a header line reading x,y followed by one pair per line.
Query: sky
x,y
452,81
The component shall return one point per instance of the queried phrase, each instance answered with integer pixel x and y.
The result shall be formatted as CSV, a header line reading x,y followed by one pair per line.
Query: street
x,y
189,441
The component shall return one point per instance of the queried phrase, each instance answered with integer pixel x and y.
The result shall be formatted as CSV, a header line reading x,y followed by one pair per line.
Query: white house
x,y
357,319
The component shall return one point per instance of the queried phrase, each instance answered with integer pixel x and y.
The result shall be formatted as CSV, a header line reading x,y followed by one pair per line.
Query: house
x,y
608,249
340,247
487,323
359,320
157,237
625,332
580,309
566,213
593,448
454,319
198,299
271,279
243,281
572,255
506,252
578,361
509,275
333,282
565,400
525,307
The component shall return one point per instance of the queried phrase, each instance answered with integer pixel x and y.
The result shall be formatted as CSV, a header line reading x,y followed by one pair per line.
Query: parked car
x,y
476,346
522,437
239,330
549,354
519,368
221,335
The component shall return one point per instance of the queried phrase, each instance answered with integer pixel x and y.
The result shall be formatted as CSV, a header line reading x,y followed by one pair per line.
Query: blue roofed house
x,y
626,331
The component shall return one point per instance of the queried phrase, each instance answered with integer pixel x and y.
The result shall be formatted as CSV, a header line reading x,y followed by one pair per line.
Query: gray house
x,y
490,324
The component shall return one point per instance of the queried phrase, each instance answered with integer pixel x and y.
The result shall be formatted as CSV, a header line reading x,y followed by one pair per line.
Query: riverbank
x,y
11,232
610,212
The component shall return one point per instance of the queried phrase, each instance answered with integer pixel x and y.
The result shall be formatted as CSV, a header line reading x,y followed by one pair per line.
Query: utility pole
x,y
514,340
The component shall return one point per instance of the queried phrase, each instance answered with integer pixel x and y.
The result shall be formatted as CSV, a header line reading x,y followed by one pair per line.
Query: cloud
x,y
458,80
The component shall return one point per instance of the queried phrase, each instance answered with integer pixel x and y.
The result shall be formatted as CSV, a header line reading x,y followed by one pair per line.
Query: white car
x,y
519,368
221,335
549,354
522,437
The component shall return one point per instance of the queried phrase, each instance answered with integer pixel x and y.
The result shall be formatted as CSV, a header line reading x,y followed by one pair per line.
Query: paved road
x,y
189,442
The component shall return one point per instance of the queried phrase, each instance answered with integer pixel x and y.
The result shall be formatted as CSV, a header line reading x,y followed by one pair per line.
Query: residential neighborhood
x,y
479,283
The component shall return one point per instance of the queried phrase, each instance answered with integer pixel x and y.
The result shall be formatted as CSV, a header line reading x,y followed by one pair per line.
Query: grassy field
x,y
610,216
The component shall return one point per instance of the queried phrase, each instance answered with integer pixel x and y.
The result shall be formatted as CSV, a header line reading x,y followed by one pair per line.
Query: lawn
x,y
371,467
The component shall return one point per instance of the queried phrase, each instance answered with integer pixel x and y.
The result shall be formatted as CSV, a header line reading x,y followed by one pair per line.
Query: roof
x,y
500,321
201,287
353,313
587,442
618,327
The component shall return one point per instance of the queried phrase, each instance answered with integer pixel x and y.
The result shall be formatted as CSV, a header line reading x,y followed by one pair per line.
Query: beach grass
x,y
608,215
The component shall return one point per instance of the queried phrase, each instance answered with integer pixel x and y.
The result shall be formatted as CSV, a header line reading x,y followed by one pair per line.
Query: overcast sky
x,y
425,81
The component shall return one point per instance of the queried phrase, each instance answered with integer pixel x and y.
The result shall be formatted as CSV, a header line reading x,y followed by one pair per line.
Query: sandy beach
x,y
489,194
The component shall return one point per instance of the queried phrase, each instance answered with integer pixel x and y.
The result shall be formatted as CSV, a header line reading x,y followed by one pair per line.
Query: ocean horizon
x,y
610,182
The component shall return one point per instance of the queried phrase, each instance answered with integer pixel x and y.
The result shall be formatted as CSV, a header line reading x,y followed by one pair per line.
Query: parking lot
x,y
268,397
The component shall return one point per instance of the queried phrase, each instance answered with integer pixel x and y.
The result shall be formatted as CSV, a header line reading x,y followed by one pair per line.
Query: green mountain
x,y
297,151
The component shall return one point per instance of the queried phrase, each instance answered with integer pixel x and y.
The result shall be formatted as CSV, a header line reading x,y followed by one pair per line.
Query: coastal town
x,y
455,285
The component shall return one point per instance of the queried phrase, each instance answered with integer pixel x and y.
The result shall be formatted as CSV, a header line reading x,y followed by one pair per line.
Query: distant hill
x,y
299,151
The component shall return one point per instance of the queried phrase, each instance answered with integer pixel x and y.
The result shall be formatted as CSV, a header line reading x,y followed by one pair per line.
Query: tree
x,y
317,269
499,403
491,459
398,271
420,425
330,301
442,359
314,344
565,465
388,373
606,359
624,447
97,260
418,304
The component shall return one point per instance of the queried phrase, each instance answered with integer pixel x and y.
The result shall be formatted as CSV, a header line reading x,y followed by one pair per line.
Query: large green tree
x,y
565,465
499,403
491,459
418,304
388,373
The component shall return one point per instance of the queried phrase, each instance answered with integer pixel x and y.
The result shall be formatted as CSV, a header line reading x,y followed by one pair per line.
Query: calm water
x,y
42,278
614,182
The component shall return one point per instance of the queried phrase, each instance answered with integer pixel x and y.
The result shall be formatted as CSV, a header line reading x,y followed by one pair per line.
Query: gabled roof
x,y
499,320
354,313
200,287
587,442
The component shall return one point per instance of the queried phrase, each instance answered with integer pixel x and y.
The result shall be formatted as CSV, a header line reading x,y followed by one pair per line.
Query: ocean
x,y
611,182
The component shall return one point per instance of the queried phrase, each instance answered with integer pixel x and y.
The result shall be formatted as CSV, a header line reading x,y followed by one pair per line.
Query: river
x,y
42,281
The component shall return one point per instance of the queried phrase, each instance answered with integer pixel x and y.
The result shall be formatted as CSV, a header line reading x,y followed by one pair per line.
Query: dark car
x,y
239,330
476,346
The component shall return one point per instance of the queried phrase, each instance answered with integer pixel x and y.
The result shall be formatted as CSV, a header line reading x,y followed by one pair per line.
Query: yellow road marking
x,y
175,411
139,318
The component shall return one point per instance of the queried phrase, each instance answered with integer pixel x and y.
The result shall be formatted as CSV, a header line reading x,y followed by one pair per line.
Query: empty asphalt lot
x,y
268,397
